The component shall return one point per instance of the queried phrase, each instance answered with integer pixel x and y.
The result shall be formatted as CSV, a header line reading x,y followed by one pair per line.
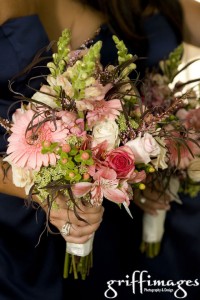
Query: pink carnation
x,y
103,110
192,119
182,157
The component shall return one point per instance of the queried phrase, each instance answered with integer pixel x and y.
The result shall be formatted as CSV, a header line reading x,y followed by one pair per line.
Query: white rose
x,y
160,160
193,169
106,131
144,148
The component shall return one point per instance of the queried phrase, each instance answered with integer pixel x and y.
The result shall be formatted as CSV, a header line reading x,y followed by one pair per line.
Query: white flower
x,y
193,169
106,131
44,96
22,177
144,148
160,161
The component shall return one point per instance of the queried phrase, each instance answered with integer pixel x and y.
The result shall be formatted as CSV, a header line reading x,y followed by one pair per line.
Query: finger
x,y
77,231
66,215
155,196
80,207
77,234
89,214
151,206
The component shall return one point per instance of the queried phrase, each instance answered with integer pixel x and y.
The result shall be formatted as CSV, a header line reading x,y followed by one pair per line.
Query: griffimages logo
x,y
141,282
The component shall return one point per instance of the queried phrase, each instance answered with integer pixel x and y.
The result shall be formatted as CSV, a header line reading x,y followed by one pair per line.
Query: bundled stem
x,y
77,265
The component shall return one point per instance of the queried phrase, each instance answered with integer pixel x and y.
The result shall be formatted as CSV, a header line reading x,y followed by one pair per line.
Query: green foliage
x,y
170,66
60,58
124,56
82,71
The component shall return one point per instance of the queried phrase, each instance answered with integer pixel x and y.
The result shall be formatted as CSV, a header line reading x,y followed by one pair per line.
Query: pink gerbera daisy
x,y
24,149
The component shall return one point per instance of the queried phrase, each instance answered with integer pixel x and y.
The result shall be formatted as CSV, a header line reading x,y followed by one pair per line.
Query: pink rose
x,y
122,161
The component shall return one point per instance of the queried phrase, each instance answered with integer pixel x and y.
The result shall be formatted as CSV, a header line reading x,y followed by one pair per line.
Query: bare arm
x,y
6,184
191,10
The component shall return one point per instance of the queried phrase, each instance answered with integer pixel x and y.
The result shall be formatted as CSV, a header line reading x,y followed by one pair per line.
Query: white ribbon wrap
x,y
153,226
80,249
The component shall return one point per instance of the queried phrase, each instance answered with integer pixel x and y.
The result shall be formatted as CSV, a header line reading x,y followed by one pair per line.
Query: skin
x,y
191,10
80,232
82,20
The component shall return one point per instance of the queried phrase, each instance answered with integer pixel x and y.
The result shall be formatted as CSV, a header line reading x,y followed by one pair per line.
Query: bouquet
x,y
72,138
86,135
161,90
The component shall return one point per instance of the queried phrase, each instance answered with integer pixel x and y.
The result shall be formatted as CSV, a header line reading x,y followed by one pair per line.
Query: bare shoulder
x,y
16,8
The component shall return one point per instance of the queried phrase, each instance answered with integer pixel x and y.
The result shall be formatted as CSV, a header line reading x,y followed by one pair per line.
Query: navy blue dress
x,y
27,271
116,244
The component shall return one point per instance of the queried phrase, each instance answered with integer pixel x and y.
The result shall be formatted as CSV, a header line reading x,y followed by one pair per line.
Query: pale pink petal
x,y
45,159
52,159
114,195
32,160
97,195
82,188
106,173
19,159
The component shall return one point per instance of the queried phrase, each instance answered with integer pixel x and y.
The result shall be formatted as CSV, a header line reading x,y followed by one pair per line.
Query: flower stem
x,y
74,266
77,265
150,249
66,265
